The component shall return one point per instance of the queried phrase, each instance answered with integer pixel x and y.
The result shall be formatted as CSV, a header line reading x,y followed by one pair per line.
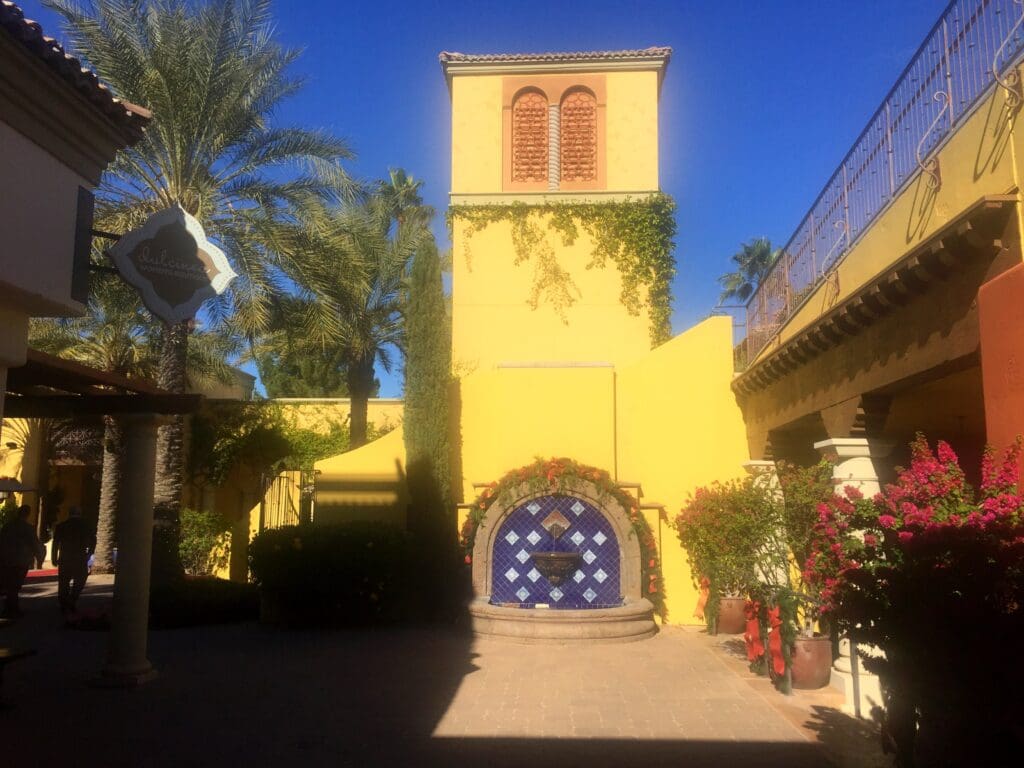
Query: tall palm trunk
x,y
360,387
110,495
170,459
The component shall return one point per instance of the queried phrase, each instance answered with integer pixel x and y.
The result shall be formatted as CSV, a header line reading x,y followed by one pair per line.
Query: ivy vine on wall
x,y
636,235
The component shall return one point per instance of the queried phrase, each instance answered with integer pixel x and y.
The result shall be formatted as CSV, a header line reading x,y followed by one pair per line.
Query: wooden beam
x,y
69,406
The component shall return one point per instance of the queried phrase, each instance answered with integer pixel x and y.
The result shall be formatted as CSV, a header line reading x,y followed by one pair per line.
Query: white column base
x,y
870,691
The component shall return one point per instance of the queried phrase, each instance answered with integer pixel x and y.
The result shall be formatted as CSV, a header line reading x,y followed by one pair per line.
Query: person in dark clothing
x,y
19,549
73,542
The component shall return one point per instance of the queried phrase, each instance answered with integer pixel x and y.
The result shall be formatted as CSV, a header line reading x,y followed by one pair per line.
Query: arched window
x,y
530,137
579,137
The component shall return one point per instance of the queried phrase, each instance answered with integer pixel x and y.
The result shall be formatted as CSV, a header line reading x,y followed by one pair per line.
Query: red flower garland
x,y
552,474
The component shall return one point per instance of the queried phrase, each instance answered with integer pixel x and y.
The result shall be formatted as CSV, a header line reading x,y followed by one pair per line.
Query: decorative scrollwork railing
x,y
965,55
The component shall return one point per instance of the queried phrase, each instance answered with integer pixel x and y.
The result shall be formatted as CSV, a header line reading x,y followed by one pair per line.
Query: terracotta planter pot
x,y
812,662
731,618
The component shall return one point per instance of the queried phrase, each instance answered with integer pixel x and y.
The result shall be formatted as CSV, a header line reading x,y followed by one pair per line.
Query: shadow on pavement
x,y
244,694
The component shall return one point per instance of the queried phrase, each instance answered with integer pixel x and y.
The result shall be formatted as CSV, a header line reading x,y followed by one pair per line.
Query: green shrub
x,y
7,510
346,574
191,602
200,544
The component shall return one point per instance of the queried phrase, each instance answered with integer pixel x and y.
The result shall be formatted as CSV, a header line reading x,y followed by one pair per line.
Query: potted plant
x,y
727,530
805,490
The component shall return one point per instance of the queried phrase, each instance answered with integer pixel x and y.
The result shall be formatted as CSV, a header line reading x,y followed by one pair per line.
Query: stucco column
x,y
856,461
856,465
127,664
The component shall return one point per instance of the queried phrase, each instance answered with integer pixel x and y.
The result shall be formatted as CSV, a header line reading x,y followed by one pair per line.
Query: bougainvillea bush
x,y
558,476
730,532
931,571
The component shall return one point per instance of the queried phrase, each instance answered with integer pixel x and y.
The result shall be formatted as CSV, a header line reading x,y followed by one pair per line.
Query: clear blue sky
x,y
761,100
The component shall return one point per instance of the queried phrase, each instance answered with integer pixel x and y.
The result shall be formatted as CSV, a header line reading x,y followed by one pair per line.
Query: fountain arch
x,y
598,599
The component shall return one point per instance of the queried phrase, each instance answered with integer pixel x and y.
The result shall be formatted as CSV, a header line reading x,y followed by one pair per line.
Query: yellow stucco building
x,y
539,375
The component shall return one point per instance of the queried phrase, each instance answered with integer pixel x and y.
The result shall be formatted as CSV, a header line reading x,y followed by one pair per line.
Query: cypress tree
x,y
426,419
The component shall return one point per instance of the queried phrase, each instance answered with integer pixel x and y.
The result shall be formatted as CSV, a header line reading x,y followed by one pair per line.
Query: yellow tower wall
x,y
631,130
512,415
493,322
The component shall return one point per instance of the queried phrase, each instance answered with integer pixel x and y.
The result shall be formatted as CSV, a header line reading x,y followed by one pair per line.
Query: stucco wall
x,y
509,416
493,322
38,205
679,428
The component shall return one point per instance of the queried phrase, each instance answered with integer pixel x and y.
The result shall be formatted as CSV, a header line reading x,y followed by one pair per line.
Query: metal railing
x,y
963,56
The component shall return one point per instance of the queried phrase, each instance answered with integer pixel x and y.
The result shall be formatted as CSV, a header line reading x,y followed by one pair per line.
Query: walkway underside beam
x,y
976,236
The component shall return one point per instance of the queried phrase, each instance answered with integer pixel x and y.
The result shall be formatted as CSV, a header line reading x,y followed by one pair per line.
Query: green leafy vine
x,y
636,235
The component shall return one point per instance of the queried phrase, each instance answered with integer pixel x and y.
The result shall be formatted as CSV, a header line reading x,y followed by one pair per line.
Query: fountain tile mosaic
x,y
595,585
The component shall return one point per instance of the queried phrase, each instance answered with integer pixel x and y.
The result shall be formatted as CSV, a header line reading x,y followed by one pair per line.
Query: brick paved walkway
x,y
245,695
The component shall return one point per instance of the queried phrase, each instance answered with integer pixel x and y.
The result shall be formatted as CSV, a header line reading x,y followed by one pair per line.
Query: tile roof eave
x,y
128,118
654,52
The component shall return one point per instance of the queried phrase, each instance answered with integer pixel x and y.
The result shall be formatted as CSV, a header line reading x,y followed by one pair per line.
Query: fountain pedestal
x,y
634,620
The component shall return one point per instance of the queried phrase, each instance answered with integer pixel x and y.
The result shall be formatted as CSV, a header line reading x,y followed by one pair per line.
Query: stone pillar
x,y
855,459
127,664
554,146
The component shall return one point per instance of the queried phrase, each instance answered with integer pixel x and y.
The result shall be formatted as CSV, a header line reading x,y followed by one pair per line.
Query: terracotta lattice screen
x,y
530,138
579,137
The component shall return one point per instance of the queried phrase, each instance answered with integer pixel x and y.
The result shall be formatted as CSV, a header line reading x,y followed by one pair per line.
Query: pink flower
x,y
887,521
905,536
870,540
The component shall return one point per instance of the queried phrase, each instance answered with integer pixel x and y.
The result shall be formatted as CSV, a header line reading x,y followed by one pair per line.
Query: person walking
x,y
19,549
73,542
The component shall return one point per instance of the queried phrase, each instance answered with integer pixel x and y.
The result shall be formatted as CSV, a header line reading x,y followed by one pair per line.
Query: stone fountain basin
x,y
631,621
556,567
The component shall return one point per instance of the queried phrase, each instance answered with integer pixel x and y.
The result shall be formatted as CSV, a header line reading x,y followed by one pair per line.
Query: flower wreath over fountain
x,y
558,476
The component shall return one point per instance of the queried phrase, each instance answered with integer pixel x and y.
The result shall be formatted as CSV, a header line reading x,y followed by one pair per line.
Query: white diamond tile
x,y
578,576
600,576
577,538
600,538
523,593
589,557
590,595
523,556
577,509
511,537
511,574
533,538
533,507
556,594
533,575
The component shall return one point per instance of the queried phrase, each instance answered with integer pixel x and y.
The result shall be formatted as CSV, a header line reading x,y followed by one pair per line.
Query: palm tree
x,y
213,75
119,336
753,261
359,258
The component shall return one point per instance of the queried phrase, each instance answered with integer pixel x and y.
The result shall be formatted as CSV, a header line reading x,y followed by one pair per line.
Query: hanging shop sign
x,y
172,265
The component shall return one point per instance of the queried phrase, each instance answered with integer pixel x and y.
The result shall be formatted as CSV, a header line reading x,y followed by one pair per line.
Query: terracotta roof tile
x,y
128,117
636,53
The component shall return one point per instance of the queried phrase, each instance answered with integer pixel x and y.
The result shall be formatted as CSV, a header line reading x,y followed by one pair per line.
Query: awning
x,y
52,387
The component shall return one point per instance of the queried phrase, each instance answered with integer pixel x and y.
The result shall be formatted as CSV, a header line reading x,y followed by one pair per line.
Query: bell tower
x,y
534,138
